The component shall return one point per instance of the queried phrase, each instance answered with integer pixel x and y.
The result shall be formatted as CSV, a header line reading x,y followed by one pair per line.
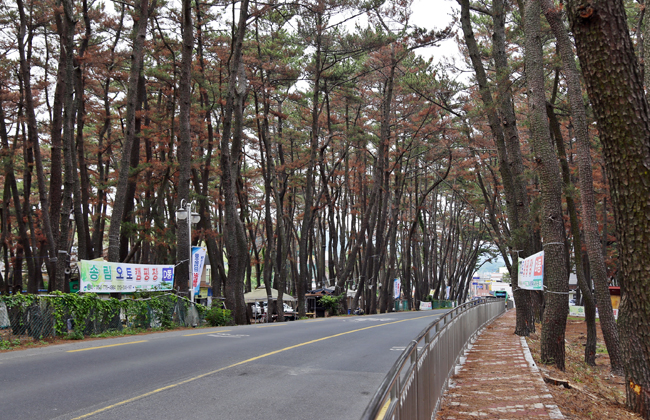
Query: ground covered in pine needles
x,y
593,392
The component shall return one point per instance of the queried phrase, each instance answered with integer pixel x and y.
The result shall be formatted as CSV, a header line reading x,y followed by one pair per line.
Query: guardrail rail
x,y
414,386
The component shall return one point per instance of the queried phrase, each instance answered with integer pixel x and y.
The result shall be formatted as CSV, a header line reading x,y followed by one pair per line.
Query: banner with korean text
x,y
531,272
198,262
397,288
107,277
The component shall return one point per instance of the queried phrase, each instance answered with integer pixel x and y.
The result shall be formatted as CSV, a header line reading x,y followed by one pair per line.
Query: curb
x,y
553,410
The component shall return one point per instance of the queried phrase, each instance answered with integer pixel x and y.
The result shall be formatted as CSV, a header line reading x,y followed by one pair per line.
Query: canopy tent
x,y
259,294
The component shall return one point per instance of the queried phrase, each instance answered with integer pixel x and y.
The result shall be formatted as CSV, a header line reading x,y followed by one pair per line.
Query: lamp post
x,y
184,212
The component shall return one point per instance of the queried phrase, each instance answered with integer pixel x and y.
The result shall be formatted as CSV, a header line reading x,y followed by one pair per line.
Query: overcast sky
x,y
435,14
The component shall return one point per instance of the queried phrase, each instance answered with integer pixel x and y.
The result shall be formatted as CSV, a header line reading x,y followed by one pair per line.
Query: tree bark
x,y
523,238
615,87
184,241
56,168
307,220
32,134
81,192
235,234
63,242
11,184
525,323
119,204
215,252
590,305
589,219
556,278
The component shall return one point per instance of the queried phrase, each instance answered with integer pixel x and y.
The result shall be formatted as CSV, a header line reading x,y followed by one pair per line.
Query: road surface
x,y
327,368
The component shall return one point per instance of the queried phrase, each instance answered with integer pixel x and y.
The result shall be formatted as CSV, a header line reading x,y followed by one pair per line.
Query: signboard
x,y
397,288
580,311
576,311
107,277
198,261
425,306
531,272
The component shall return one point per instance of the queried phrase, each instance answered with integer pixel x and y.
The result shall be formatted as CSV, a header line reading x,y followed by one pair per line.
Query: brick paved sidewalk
x,y
498,379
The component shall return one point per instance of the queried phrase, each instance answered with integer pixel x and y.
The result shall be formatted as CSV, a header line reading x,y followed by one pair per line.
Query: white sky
x,y
435,14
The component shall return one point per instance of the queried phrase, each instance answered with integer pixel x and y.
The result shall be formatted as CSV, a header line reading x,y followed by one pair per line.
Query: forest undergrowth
x,y
582,391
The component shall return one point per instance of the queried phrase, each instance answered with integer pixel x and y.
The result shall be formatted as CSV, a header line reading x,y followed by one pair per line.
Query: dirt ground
x,y
595,393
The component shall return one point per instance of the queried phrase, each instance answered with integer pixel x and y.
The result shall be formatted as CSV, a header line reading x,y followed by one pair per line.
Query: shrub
x,y
75,316
331,303
217,317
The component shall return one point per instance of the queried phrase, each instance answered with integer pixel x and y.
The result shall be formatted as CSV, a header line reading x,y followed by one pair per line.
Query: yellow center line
x,y
103,347
316,320
243,362
209,332
271,325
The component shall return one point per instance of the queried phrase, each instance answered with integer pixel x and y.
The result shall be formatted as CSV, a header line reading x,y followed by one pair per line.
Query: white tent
x,y
259,294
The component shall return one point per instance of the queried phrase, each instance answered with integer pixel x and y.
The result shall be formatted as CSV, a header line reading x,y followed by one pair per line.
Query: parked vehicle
x,y
289,313
260,309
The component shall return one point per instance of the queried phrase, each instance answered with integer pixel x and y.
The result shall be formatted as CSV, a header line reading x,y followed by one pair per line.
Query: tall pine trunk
x,y
520,241
184,241
556,278
615,87
231,149
119,204
589,219
32,135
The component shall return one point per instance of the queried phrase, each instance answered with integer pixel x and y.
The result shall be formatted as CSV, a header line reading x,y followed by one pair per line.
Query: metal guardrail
x,y
413,387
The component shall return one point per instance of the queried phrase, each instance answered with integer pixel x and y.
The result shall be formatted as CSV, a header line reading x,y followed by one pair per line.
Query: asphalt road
x,y
327,368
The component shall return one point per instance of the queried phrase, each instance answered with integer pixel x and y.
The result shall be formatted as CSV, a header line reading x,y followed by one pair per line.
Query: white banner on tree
x,y
198,262
531,272
107,277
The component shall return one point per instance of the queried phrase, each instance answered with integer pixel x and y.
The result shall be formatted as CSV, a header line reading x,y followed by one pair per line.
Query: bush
x,y
331,303
218,317
76,316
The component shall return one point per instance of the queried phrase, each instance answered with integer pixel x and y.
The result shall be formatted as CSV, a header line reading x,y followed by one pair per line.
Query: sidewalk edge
x,y
553,410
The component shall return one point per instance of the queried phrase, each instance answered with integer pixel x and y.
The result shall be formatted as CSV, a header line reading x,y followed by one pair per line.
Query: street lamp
x,y
182,213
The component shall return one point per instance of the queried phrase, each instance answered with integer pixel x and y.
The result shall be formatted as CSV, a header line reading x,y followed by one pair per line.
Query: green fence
x,y
401,305
442,304
42,316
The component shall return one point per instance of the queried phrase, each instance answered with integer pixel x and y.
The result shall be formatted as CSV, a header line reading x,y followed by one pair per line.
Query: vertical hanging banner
x,y
531,272
198,262
397,288
107,277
